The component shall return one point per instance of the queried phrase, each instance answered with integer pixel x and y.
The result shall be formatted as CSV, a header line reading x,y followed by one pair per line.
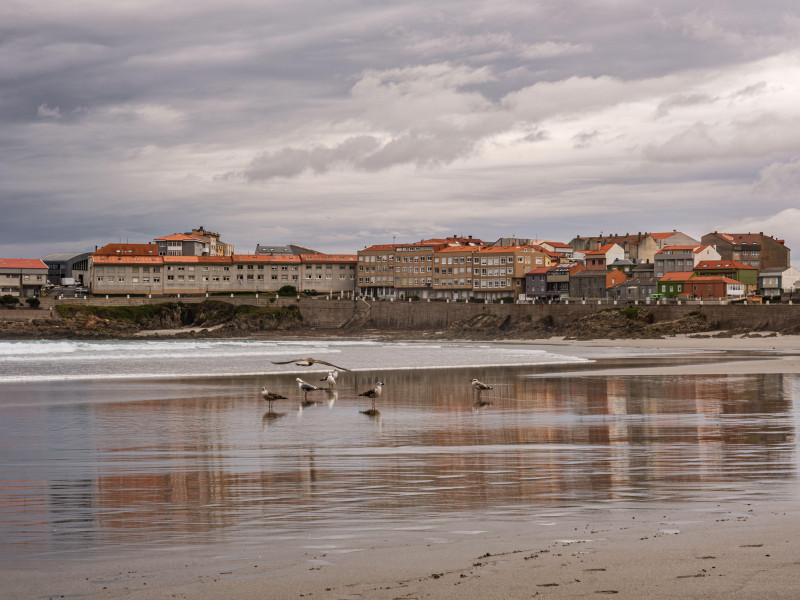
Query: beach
x,y
725,525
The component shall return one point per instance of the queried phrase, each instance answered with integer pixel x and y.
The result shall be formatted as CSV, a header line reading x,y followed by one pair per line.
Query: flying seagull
x,y
307,362
373,393
305,387
270,396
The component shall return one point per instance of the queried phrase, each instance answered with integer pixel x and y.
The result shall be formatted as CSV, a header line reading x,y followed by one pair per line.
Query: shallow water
x,y
97,465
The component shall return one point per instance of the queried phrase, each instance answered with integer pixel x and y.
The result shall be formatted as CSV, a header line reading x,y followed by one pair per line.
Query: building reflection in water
x,y
208,466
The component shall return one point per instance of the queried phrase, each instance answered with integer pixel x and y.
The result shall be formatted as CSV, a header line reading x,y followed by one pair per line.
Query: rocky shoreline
x,y
215,319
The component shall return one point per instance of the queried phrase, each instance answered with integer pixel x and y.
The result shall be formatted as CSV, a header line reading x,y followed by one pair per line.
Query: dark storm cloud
x,y
119,119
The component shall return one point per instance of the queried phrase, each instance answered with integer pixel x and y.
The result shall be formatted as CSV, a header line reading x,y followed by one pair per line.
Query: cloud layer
x,y
337,126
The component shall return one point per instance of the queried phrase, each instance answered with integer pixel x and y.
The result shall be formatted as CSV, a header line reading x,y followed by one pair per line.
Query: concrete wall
x,y
321,313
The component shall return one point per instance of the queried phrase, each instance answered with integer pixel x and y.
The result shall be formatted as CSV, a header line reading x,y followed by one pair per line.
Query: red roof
x,y
558,244
602,250
662,236
501,249
197,259
538,271
181,237
383,247
721,264
22,263
265,258
713,279
677,276
127,259
130,249
328,258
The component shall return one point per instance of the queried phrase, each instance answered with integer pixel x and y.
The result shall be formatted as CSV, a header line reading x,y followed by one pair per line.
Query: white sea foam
x,y
31,361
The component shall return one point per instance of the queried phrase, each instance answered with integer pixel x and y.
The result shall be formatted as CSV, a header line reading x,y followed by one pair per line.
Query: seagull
x,y
307,362
270,396
305,387
480,386
374,393
331,378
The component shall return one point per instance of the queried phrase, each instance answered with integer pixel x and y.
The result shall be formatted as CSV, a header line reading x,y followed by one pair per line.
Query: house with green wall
x,y
673,284
729,268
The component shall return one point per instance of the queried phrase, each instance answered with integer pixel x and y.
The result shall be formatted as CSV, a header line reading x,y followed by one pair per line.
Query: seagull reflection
x,y
374,413
269,417
481,404
333,395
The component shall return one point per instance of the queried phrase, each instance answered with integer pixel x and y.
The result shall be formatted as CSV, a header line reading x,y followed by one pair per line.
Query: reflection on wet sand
x,y
204,466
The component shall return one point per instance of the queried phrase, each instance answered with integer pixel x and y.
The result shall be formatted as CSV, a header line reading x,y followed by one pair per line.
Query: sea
x,y
128,447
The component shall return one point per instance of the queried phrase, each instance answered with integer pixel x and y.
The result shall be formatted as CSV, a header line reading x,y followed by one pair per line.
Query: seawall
x,y
333,314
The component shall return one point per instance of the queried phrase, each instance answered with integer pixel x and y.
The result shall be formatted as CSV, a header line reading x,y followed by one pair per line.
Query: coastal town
x,y
638,267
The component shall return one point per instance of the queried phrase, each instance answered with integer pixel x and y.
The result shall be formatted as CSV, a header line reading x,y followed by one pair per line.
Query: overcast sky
x,y
341,124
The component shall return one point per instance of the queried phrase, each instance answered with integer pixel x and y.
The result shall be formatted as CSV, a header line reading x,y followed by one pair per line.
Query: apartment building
x,y
376,270
601,259
682,258
639,246
752,249
216,247
499,271
170,275
404,271
22,277
452,272
181,244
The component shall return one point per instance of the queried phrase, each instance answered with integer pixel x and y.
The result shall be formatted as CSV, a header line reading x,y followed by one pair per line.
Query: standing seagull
x,y
480,386
374,393
270,396
307,362
305,388
331,379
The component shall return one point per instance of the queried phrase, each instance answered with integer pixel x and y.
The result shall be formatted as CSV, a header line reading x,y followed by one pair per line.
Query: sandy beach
x,y
622,549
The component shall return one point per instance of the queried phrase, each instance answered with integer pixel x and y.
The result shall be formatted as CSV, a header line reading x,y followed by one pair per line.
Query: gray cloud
x,y
117,121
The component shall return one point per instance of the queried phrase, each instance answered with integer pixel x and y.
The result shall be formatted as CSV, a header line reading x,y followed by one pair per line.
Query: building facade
x,y
172,275
671,259
22,277
67,266
753,249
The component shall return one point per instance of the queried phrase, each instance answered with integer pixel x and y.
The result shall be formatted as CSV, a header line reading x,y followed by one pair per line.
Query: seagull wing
x,y
322,362
286,362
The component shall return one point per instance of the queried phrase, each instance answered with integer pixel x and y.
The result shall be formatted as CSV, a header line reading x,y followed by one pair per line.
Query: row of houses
x,y
629,267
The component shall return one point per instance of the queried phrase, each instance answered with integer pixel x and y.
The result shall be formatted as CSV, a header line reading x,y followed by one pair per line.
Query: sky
x,y
340,124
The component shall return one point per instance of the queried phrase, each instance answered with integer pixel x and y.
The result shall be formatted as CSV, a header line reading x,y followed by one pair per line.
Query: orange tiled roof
x,y
129,249
667,248
128,259
266,258
328,258
602,250
181,237
557,244
22,263
721,264
502,249
677,276
383,247
197,259
714,278
458,249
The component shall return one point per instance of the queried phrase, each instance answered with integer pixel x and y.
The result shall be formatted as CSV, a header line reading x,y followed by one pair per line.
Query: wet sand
x,y
626,550
742,550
